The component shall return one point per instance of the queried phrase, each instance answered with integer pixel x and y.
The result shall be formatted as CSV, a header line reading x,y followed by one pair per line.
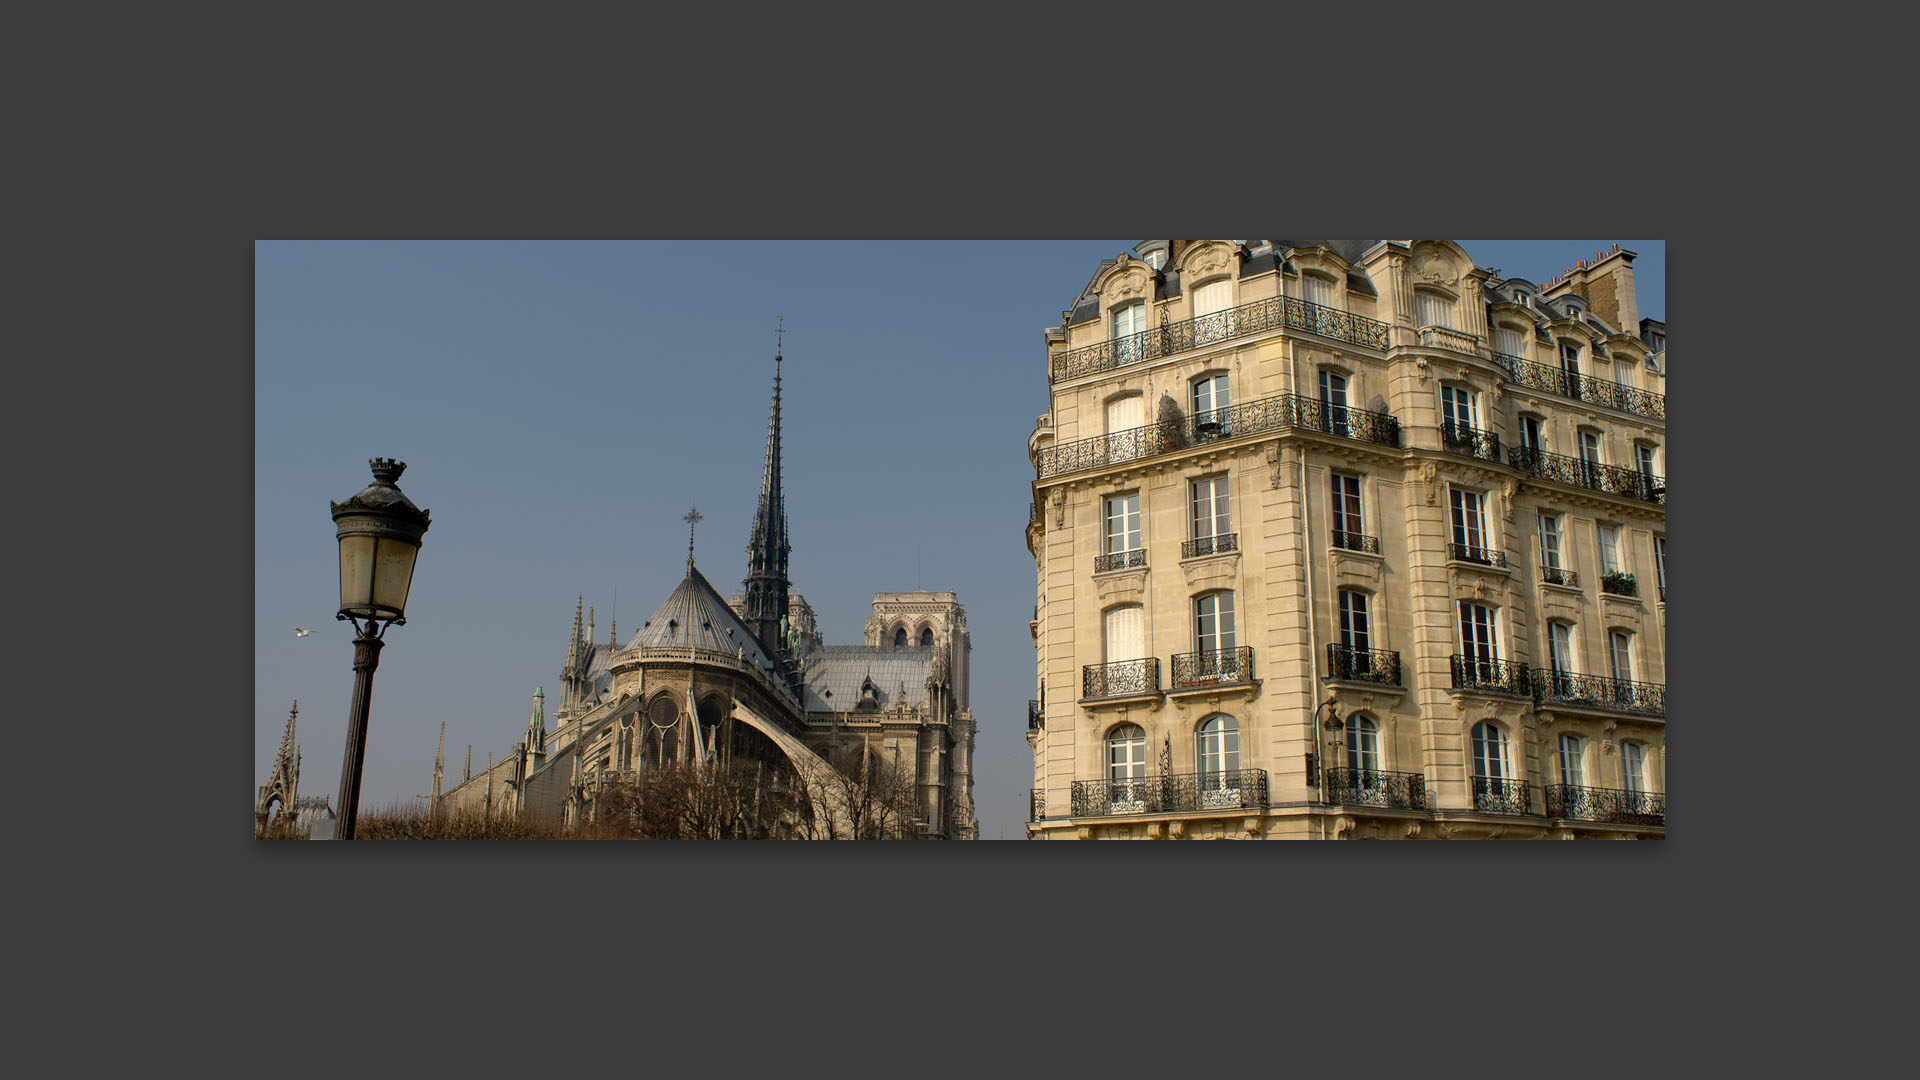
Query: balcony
x,y
1273,313
1573,472
1498,676
1353,541
1619,584
1218,667
1442,337
1120,560
1210,545
1555,380
1371,787
1596,691
1380,666
1492,795
1125,678
1473,553
1035,719
1471,441
1280,412
1613,805
1238,789
1554,575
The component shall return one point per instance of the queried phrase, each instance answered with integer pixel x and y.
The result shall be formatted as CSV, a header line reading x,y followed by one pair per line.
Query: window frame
x,y
1217,744
1133,739
1131,532
1224,634
1572,760
1219,503
1346,509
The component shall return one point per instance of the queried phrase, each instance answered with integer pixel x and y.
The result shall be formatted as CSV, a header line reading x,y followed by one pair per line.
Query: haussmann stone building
x,y
708,678
1349,538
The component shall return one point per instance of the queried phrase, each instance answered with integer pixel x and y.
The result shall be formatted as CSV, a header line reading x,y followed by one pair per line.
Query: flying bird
x,y
297,632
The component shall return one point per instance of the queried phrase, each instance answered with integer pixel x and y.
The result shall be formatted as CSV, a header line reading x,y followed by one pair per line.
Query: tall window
x,y
1123,523
1609,548
1353,620
1210,394
926,638
1570,365
1479,640
1620,654
1212,512
1571,747
900,638
1550,544
1125,415
1333,402
1432,309
1633,766
1590,458
1660,564
1643,458
1489,752
1127,753
1347,526
1363,745
1127,321
1469,535
1213,622
1560,656
1210,302
1124,639
1220,745
1319,290
1509,342
1531,435
1458,409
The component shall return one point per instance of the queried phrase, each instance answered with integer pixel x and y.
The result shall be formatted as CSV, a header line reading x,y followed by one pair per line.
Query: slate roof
x,y
843,669
696,615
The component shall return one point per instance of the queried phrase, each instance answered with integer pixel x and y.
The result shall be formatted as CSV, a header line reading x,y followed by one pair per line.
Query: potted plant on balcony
x,y
1172,437
1617,582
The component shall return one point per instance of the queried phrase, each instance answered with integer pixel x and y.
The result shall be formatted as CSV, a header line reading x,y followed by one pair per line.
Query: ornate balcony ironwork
x,y
1555,575
1574,472
1553,380
1619,583
1036,805
1353,541
1570,802
1444,337
1599,692
1363,665
1121,679
1496,796
1277,413
1500,676
1236,789
1035,719
1120,560
1258,317
1372,787
1218,544
1217,667
1472,554
1471,441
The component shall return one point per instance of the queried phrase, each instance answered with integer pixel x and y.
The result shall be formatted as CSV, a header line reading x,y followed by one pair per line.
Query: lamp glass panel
x,y
393,573
356,572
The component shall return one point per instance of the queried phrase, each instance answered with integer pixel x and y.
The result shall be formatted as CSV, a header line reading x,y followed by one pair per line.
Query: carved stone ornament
x,y
1431,268
1131,284
1509,489
1273,459
1058,497
1426,372
1428,471
1210,262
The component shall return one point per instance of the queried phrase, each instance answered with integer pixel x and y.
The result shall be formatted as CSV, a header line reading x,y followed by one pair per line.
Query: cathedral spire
x,y
439,769
767,583
536,731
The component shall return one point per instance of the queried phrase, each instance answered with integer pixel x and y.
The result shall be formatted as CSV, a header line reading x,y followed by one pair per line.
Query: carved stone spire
x,y
767,583
439,767
284,783
537,724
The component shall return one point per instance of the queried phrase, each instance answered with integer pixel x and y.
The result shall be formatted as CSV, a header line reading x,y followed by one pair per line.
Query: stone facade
x,y
1292,574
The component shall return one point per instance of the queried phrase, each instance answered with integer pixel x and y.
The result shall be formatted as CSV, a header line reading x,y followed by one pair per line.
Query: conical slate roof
x,y
696,616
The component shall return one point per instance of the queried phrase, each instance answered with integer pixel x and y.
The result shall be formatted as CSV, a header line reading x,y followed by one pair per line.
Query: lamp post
x,y
379,532
1319,742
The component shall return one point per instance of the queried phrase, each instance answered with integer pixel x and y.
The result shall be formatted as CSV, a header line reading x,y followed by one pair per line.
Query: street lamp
x,y
379,533
1319,743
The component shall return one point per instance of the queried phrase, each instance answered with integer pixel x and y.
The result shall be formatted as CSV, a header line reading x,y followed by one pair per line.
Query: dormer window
x,y
1157,259
1432,309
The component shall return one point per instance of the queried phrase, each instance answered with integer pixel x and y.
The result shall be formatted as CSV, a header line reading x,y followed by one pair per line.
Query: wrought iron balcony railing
x,y
1471,441
1555,575
1574,472
1570,802
1553,380
1218,544
1496,796
1596,690
1277,413
1619,583
1120,560
1363,665
1353,541
1443,337
1273,313
1501,676
1036,805
1475,554
1217,667
1229,790
1035,720
1372,787
1121,679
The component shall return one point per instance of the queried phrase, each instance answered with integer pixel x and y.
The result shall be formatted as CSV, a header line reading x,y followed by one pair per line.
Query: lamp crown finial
x,y
387,470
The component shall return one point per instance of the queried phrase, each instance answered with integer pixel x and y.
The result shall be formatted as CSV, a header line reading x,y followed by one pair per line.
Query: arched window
x,y
1363,749
926,638
1493,792
1127,753
626,742
900,638
1128,321
1219,745
1210,394
1432,309
663,742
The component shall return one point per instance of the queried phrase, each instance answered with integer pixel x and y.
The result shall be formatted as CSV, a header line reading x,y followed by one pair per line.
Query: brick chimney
x,y
1605,282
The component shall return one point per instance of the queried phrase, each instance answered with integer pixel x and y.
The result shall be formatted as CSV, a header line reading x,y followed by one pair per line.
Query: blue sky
x,y
561,405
